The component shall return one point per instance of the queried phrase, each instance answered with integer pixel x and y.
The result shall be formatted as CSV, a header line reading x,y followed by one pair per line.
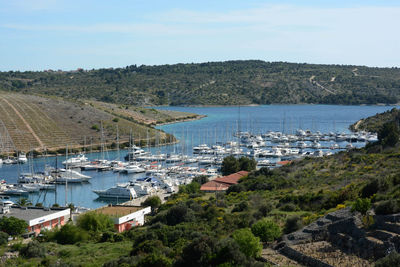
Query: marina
x,y
95,179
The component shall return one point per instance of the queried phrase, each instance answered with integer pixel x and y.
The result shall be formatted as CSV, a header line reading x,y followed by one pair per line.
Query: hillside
x,y
374,123
221,83
33,122
260,219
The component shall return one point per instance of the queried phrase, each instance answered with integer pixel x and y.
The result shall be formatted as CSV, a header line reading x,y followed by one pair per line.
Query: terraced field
x,y
33,122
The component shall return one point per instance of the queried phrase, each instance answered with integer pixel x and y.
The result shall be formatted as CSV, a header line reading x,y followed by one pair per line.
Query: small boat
x,y
10,161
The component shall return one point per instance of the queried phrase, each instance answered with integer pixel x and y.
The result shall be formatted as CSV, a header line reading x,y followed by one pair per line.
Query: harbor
x,y
92,180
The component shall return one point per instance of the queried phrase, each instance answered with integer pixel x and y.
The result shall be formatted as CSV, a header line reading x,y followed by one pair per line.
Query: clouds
x,y
290,32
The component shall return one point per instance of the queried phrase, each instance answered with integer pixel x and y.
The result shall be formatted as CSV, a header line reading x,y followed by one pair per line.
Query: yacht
x,y
80,160
134,153
71,176
10,161
118,191
22,158
133,169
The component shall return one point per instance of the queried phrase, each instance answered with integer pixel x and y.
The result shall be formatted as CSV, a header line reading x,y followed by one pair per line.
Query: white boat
x,y
264,163
71,176
22,158
120,191
134,153
80,160
14,191
10,161
133,169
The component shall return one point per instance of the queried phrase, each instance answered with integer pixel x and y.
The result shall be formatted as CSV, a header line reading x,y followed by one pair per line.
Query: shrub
x,y
70,234
242,206
361,205
289,207
115,120
3,238
154,202
293,224
12,225
33,250
387,207
248,243
96,222
95,127
266,230
391,260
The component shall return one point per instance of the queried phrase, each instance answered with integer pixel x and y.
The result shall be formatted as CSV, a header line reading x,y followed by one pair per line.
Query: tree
x,y
266,230
229,165
389,134
393,259
12,225
22,202
153,201
248,243
247,164
3,238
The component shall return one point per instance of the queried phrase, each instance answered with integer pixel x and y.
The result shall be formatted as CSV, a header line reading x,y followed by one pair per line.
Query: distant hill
x,y
30,122
219,83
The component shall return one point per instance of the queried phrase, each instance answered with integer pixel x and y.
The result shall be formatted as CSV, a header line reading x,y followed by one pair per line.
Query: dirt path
x,y
354,71
357,125
25,122
311,79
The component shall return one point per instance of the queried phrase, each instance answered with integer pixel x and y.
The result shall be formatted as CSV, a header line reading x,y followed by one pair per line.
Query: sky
x,y
70,34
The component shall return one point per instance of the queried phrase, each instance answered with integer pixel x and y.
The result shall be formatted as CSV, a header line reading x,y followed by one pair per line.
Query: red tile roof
x,y
223,183
214,186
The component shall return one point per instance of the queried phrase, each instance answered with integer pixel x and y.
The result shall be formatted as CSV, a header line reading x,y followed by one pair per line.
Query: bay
x,y
218,126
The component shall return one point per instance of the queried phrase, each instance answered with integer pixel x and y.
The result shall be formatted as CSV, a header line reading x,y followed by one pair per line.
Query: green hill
x,y
221,83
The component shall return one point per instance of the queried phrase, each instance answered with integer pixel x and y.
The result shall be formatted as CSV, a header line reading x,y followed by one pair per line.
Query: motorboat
x,y
22,158
71,176
132,168
80,160
123,191
135,152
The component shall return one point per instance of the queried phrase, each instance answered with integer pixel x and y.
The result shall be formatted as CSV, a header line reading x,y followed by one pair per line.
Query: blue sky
x,y
68,34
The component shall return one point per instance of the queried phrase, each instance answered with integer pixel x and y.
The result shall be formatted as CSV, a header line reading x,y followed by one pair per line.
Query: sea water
x,y
219,125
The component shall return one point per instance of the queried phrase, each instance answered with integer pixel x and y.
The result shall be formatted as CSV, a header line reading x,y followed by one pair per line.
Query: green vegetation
x,y
193,228
12,225
231,165
222,83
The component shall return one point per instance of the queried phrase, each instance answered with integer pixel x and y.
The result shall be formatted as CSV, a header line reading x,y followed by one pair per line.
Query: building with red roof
x,y
223,183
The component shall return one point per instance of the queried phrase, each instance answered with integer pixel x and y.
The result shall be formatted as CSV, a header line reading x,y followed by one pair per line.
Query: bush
x,y
361,205
289,207
3,238
248,243
247,164
293,224
154,202
266,230
242,206
70,234
391,260
33,250
387,207
96,222
12,225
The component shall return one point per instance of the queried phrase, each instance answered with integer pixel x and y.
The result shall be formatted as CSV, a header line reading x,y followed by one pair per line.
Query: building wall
x,y
58,222
126,226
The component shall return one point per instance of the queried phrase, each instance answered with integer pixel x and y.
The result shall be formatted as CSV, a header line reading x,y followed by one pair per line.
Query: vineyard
x,y
29,122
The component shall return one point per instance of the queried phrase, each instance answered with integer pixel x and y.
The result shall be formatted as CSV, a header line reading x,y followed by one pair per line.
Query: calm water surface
x,y
218,126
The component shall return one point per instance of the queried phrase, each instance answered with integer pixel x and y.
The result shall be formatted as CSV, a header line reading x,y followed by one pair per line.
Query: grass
x,y
85,254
